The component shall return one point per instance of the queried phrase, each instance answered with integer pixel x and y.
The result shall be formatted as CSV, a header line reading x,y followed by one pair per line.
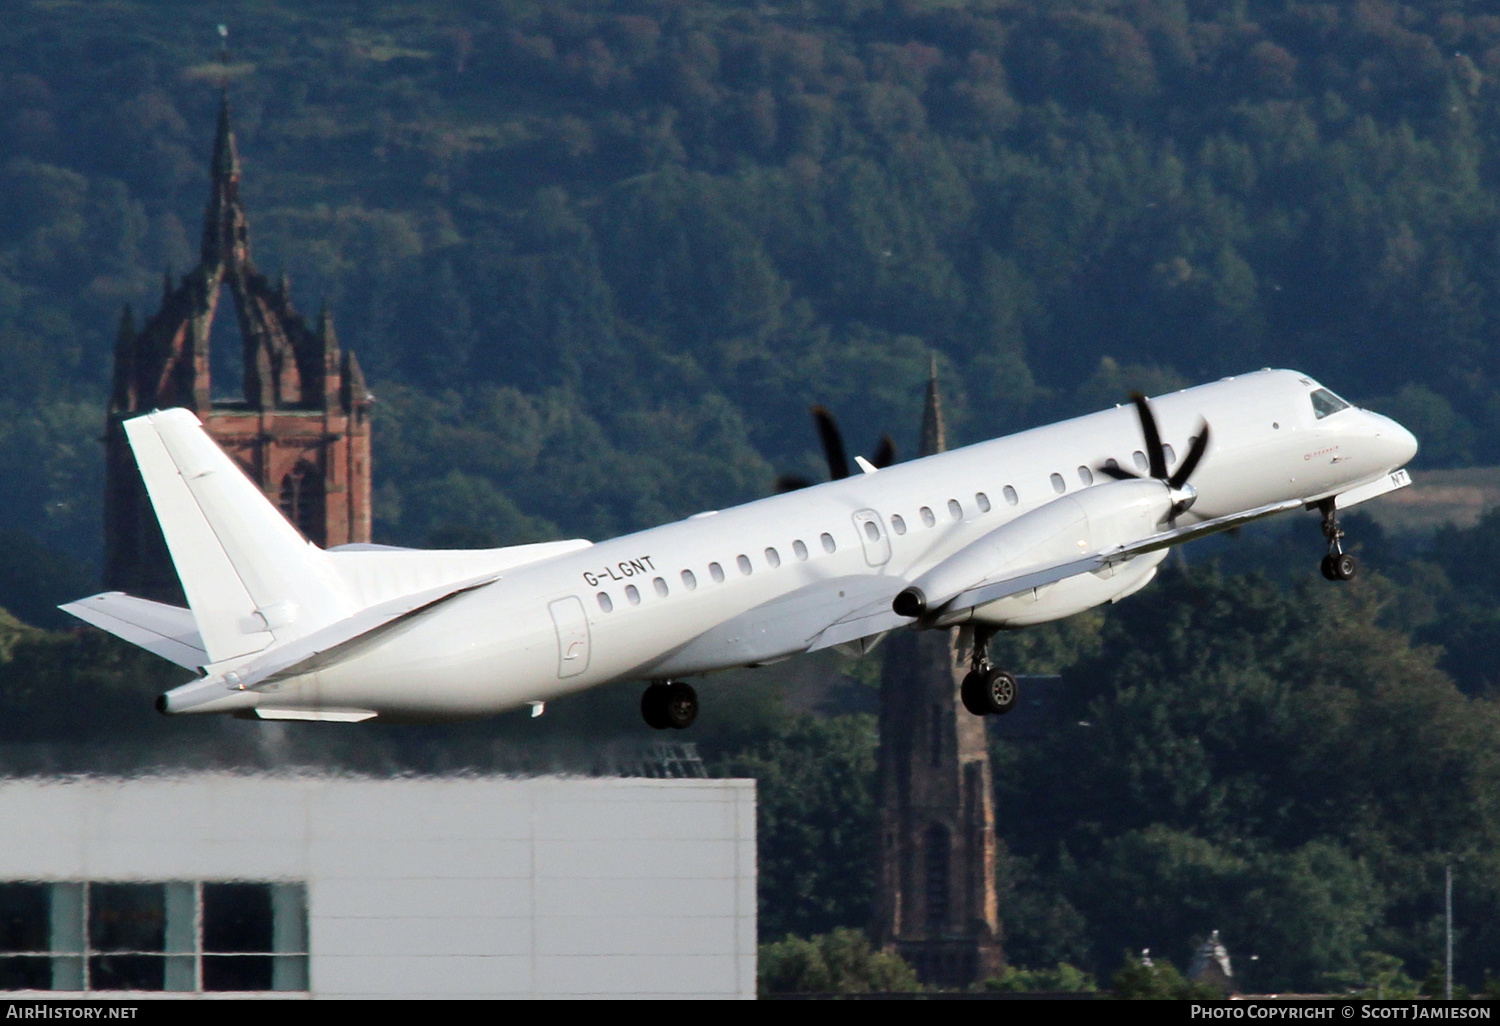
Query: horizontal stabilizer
x,y
167,631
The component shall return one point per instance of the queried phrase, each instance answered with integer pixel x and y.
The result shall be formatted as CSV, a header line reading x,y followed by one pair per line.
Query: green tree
x,y
838,962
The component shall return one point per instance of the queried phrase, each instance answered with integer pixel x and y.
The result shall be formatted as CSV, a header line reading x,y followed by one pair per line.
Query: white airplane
x,y
1015,531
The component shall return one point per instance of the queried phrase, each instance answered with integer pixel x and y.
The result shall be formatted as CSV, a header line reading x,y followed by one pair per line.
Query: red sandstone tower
x,y
301,428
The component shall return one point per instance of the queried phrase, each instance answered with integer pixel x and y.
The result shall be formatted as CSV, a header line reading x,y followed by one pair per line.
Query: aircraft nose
x,y
1399,443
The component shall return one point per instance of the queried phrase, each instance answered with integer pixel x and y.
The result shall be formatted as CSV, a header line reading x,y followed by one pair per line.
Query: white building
x,y
350,887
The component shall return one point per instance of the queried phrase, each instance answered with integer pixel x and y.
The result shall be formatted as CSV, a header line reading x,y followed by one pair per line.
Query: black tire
x,y
996,692
654,706
1327,567
1344,567
681,706
971,692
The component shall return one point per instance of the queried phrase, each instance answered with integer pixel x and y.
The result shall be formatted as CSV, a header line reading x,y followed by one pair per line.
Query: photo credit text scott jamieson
x,y
1340,1010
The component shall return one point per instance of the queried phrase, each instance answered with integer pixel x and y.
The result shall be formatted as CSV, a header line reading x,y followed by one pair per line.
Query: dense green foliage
x,y
837,962
598,257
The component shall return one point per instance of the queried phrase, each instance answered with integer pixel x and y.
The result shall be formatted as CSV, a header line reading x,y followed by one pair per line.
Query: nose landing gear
x,y
1338,565
669,704
987,690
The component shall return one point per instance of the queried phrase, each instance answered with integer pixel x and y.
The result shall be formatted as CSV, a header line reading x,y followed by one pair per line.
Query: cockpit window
x,y
1325,402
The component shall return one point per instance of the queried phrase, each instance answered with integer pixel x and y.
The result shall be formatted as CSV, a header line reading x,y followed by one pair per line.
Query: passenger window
x,y
1058,484
927,517
897,524
1168,453
798,549
1141,463
606,603
773,557
871,531
743,562
1325,402
660,586
827,540
1112,463
982,501
1011,498
632,595
1085,476
716,572
955,510
688,580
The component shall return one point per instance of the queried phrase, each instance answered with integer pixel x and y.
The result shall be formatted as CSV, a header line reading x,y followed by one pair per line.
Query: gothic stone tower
x,y
935,901
301,429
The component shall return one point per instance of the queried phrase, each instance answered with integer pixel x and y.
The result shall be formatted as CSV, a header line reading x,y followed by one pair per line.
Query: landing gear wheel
x,y
971,691
654,705
989,692
669,704
1001,692
1338,565
681,706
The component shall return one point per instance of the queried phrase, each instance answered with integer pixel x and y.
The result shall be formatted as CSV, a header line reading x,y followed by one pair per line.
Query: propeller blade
x,y
1190,461
885,453
1154,454
1117,472
833,443
791,483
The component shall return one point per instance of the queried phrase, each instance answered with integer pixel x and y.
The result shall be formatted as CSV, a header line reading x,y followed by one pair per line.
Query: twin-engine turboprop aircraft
x,y
1015,531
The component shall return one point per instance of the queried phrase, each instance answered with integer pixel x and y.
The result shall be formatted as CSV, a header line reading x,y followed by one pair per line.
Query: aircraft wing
x,y
1035,577
877,616
167,631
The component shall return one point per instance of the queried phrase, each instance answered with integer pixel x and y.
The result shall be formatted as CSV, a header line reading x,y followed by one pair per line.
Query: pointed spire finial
x,y
226,160
325,329
934,433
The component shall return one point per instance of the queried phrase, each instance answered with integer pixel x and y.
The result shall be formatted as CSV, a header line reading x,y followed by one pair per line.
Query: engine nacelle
x,y
1097,519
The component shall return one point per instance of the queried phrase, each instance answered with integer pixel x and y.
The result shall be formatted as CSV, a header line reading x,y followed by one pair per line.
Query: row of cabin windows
x,y
898,525
716,571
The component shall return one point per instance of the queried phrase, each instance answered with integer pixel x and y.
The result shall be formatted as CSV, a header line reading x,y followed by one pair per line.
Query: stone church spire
x,y
299,426
226,233
936,903
934,433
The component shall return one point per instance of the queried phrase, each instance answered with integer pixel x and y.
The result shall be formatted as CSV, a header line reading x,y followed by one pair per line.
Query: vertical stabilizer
x,y
250,578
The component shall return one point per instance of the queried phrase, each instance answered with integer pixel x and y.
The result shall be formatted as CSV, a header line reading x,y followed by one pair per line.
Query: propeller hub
x,y
1183,497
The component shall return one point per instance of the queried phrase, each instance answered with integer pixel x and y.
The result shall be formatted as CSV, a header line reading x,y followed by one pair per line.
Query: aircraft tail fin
x,y
250,578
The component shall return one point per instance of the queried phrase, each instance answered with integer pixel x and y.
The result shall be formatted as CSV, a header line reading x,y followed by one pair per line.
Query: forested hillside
x,y
603,255
597,258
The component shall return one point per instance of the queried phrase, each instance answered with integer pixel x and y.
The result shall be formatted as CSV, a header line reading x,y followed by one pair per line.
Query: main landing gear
x,y
669,703
987,690
1338,565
